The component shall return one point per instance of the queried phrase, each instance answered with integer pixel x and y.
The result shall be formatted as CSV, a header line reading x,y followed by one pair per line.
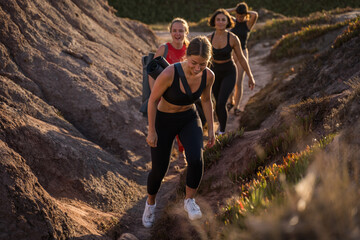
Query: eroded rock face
x,y
70,89
26,208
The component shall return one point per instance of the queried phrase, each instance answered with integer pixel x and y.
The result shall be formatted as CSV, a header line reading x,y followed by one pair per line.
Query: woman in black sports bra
x,y
245,20
223,43
175,115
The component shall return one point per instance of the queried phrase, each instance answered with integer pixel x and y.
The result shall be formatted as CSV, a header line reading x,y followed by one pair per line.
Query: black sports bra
x,y
242,31
175,96
222,53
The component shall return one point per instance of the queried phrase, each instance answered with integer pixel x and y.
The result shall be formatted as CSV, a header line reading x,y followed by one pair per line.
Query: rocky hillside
x,y
74,159
70,88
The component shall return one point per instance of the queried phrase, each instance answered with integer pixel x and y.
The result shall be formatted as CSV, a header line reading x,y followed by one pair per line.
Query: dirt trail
x,y
262,74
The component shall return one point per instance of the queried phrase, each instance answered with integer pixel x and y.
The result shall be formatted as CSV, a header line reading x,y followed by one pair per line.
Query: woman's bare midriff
x,y
222,61
165,106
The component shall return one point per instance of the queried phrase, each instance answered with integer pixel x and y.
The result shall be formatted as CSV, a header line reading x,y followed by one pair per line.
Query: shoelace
x,y
149,215
193,205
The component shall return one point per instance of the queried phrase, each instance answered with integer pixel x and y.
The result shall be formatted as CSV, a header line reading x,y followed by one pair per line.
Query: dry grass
x,y
323,205
296,43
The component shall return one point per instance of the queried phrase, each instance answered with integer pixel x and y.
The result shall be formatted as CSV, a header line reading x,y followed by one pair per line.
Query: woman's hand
x,y
151,139
251,82
211,141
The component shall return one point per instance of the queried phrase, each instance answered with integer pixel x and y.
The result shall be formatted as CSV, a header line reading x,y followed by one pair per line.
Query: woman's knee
x,y
195,161
194,174
194,152
156,175
221,101
220,108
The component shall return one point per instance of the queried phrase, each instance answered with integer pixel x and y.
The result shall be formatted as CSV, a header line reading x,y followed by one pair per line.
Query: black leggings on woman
x,y
188,126
225,78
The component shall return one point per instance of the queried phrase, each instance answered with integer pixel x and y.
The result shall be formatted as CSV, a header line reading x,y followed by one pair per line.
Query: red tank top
x,y
175,55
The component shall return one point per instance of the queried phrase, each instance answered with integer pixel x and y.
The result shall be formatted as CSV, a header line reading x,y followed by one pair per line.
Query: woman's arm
x,y
235,44
206,104
252,20
159,52
162,82
230,10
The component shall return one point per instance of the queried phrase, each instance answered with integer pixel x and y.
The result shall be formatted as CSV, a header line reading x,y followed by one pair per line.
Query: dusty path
x,y
262,74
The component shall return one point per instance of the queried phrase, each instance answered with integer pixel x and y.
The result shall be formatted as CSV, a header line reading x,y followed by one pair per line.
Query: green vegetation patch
x,y
161,11
268,183
301,8
293,44
312,194
212,155
276,28
352,30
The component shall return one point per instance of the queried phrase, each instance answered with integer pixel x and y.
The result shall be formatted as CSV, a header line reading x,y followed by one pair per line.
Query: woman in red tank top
x,y
179,30
175,55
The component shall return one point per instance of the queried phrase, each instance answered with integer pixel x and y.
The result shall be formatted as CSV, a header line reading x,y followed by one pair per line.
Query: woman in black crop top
x,y
175,115
244,22
223,44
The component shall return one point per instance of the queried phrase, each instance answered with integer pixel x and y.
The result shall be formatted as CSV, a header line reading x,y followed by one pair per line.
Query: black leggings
x,y
188,126
225,78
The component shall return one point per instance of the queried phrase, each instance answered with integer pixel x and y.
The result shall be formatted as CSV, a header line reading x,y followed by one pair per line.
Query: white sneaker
x,y
148,217
192,209
219,133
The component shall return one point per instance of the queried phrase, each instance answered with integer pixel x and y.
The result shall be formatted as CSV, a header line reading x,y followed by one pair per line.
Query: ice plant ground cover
x,y
269,182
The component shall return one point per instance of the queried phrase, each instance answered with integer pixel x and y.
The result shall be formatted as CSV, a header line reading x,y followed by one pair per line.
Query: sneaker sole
x,y
147,226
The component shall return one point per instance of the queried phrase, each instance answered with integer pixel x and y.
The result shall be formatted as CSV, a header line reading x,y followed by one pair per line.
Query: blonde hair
x,y
186,26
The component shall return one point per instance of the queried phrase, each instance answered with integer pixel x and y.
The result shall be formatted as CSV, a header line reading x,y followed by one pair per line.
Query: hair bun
x,y
241,9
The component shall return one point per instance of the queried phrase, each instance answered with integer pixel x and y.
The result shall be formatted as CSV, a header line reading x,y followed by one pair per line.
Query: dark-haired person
x,y
175,115
176,51
223,44
244,22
